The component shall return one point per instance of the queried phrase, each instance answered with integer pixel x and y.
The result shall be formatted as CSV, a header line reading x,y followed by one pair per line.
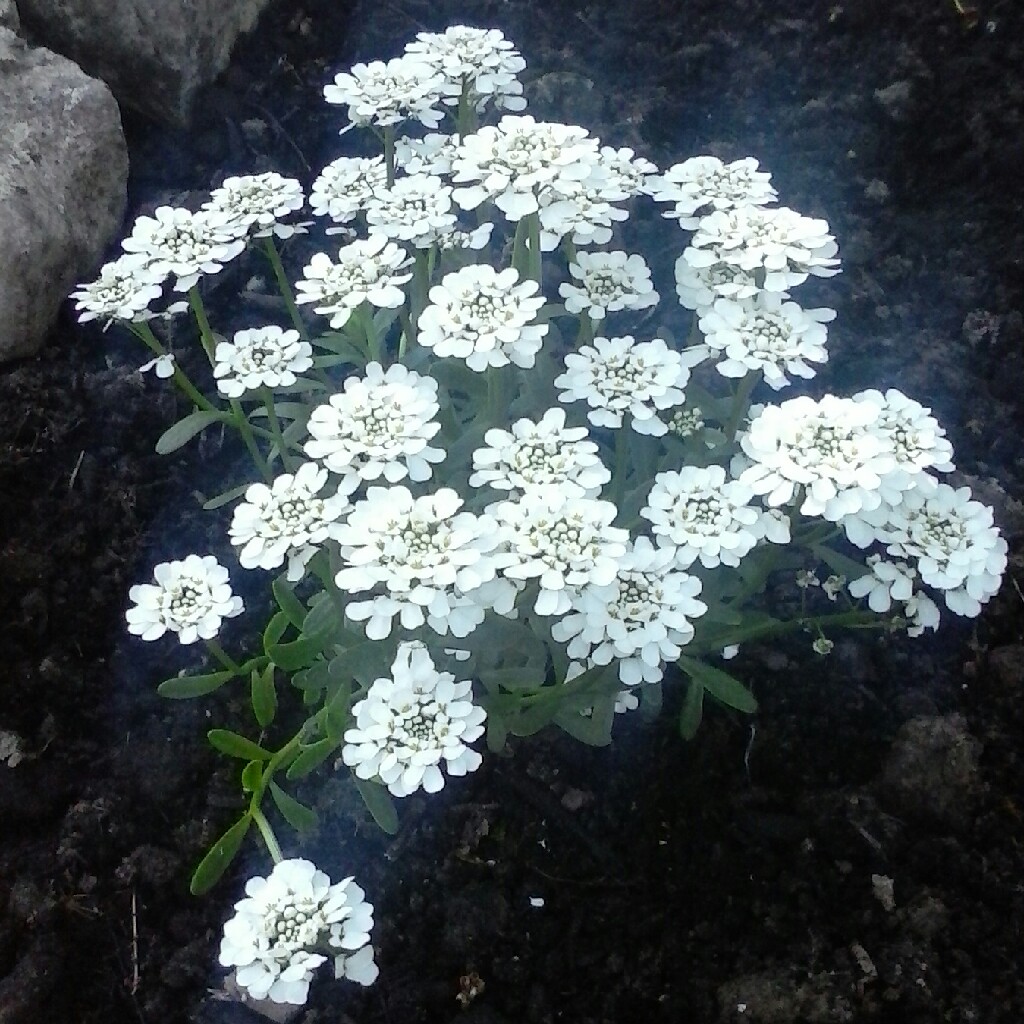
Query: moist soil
x,y
854,853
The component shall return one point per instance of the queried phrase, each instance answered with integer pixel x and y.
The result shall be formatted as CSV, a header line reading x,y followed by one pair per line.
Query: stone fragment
x,y
63,180
8,15
154,56
931,774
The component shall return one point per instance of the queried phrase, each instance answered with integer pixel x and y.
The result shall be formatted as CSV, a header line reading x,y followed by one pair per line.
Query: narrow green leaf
x,y
252,775
185,429
233,745
288,602
275,630
311,757
722,686
594,729
840,564
221,854
534,718
183,687
299,653
298,815
693,710
379,803
264,695
225,496
497,732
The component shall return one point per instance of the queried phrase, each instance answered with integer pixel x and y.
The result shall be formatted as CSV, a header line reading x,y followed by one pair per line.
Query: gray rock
x,y
8,15
154,55
931,773
63,180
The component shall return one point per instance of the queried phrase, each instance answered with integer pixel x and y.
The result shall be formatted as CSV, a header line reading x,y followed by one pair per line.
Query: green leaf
x,y
183,687
362,662
225,496
299,816
497,732
233,745
534,718
264,695
693,710
594,729
722,686
221,854
252,776
311,757
379,803
276,628
840,564
288,602
299,653
185,429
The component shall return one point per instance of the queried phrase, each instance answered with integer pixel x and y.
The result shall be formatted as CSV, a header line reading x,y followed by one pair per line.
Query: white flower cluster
x,y
484,317
426,555
289,924
263,357
620,376
190,598
704,183
408,725
258,203
608,282
378,425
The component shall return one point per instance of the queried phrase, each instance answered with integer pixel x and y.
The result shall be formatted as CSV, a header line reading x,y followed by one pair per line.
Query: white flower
x,y
915,438
433,154
885,583
190,598
162,366
616,376
426,554
286,520
699,287
539,453
624,173
385,94
287,926
921,613
123,291
823,646
561,539
484,317
641,619
686,422
259,202
786,246
345,186
260,357
707,517
582,209
833,586
177,241
826,449
608,282
957,548
379,425
416,209
368,270
703,183
480,61
514,161
767,335
408,724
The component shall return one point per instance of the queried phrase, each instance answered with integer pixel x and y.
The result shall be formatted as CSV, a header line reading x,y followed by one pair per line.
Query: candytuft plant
x,y
488,496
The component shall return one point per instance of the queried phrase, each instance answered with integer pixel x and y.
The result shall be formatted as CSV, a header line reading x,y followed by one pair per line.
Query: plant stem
x,y
273,847
389,153
144,332
740,405
241,423
621,460
223,657
284,286
205,332
275,429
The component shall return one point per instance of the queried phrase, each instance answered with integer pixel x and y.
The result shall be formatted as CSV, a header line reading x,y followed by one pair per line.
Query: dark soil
x,y
741,877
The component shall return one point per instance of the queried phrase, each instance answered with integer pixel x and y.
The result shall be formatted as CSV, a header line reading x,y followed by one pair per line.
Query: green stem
x,y
365,314
241,423
586,331
273,847
841,620
145,333
205,332
389,153
519,254
275,430
740,405
533,243
621,460
223,657
284,286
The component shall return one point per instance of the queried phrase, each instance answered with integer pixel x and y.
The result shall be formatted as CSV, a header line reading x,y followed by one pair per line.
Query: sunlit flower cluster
x,y
411,726
417,209
290,923
485,317
704,183
262,357
345,187
123,291
620,377
189,598
388,93
605,282
378,425
259,202
640,620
